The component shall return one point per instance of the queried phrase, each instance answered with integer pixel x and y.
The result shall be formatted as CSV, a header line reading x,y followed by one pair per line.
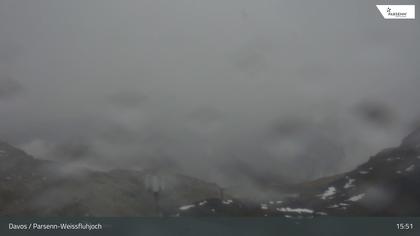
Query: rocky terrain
x,y
31,187
386,185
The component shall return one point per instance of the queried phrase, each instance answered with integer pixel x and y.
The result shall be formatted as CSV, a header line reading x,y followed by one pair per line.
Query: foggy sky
x,y
198,84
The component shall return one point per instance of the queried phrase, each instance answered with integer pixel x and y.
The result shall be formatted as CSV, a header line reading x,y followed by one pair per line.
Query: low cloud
x,y
204,87
9,87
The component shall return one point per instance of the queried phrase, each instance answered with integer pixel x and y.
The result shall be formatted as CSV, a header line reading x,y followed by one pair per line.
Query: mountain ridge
x,y
386,185
32,187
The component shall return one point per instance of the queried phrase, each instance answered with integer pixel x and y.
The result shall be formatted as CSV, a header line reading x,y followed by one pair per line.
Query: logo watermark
x,y
397,11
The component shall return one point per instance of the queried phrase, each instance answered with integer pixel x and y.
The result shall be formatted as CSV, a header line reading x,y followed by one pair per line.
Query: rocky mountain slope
x,y
387,185
31,187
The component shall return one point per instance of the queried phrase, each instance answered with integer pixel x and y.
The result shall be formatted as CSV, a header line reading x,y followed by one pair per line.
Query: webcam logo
x,y
397,11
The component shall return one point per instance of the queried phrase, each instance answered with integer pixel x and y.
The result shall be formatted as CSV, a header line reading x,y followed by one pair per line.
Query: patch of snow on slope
x,y
349,183
186,207
357,197
410,168
202,203
321,213
227,202
342,205
363,172
295,210
328,193
264,207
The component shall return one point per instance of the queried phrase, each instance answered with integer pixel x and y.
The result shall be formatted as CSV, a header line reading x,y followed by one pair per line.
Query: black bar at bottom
x,y
206,226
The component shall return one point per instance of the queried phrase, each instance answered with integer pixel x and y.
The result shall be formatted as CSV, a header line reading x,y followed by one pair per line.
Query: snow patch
x,y
349,183
202,203
328,193
342,205
295,210
264,207
186,207
227,202
363,172
410,168
356,197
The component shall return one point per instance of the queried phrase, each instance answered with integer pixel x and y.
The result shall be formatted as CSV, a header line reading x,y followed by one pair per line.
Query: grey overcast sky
x,y
199,84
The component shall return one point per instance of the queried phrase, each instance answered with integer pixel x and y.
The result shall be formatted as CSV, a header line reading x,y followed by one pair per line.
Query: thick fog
x,y
226,91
